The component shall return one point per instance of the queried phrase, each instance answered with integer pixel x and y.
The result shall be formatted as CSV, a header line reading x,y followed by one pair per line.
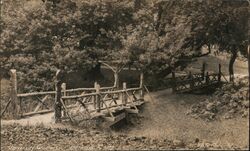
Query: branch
x,y
202,55
107,65
119,70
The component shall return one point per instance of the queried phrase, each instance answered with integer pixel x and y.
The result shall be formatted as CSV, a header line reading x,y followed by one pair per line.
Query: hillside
x,y
62,86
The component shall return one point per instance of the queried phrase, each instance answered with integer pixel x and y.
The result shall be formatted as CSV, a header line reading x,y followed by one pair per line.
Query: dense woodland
x,y
40,36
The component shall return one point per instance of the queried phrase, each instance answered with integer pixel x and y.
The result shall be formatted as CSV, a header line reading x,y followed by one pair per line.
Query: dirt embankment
x,y
16,137
168,118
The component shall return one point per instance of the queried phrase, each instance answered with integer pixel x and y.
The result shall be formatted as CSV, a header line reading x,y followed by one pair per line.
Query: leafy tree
x,y
73,35
66,36
210,22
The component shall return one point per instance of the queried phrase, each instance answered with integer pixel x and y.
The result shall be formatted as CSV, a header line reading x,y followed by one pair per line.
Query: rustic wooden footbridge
x,y
196,81
109,103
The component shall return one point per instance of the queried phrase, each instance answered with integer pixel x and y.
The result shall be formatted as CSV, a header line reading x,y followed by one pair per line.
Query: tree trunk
x,y
96,73
231,64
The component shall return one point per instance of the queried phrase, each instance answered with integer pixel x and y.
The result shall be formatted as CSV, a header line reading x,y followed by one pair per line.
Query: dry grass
x,y
167,118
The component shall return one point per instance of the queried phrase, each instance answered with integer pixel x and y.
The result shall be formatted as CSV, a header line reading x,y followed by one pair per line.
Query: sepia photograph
x,y
80,75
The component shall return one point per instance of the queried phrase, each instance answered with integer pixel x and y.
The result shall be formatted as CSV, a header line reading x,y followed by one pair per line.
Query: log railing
x,y
60,100
195,81
103,100
43,102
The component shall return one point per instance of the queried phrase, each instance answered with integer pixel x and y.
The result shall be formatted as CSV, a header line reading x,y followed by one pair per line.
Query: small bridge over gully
x,y
110,103
196,81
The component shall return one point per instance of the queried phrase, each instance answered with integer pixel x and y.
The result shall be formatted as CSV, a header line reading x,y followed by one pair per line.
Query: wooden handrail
x,y
93,94
35,93
120,91
78,96
88,89
53,92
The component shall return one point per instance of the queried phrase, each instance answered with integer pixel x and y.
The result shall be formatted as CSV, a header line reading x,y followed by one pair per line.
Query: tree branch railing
x,y
94,99
106,102
194,81
106,99
27,104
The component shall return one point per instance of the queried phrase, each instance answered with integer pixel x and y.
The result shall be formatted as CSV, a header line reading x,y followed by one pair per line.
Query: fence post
x,y
116,83
97,98
173,82
141,86
219,75
13,95
124,95
58,104
64,94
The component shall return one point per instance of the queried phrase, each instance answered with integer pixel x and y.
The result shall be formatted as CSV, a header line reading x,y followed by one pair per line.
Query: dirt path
x,y
167,119
45,119
240,67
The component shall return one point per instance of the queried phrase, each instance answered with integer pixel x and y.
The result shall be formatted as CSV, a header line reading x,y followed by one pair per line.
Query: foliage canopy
x,y
38,39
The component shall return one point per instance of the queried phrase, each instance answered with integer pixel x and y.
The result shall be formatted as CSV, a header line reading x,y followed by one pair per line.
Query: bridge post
x,y
207,78
64,89
203,70
15,109
189,74
64,94
97,98
124,95
219,74
94,98
192,81
173,82
58,104
141,86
